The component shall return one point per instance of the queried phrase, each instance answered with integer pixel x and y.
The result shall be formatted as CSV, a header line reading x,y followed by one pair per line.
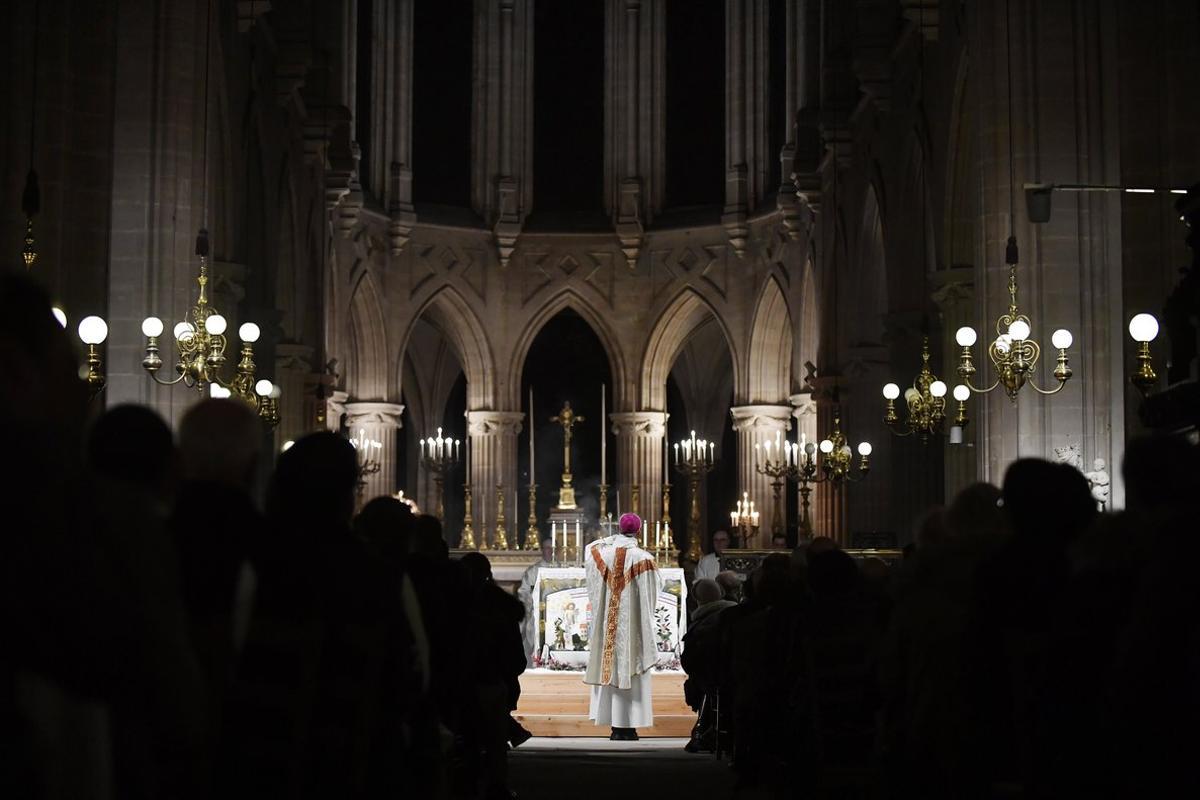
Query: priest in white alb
x,y
623,583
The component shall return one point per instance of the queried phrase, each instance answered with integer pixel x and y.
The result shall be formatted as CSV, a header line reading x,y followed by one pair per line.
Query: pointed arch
x,y
367,372
680,318
567,298
870,297
770,349
450,313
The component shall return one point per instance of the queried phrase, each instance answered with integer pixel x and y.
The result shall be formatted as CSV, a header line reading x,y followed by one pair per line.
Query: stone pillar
x,y
640,437
379,421
335,406
1070,273
502,176
494,463
756,424
391,140
293,376
955,299
804,411
746,150
829,518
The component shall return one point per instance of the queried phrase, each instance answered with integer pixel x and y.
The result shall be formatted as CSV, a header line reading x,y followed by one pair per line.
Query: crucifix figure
x,y
567,419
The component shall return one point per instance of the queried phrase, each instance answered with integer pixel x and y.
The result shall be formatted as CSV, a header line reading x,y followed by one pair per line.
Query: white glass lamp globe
x,y
1004,343
965,337
1062,338
263,388
1019,330
891,391
219,392
961,393
938,389
248,333
276,392
183,330
215,325
810,448
1143,327
93,330
151,327
286,446
59,315
864,449
826,446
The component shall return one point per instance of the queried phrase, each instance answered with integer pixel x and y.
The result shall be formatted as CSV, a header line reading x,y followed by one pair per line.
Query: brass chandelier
x,y
201,344
926,402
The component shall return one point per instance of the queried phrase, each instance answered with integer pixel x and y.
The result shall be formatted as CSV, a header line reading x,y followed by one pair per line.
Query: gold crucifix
x,y
568,419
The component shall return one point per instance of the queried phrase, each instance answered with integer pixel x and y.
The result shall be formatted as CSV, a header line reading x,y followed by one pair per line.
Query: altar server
x,y
623,584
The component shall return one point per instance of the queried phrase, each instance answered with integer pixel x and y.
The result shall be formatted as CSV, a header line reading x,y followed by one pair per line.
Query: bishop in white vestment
x,y
623,583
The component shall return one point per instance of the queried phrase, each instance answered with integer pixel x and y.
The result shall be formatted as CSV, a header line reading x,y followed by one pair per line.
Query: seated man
x,y
710,563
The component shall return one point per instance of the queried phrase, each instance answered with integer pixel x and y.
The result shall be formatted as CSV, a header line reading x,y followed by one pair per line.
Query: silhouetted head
x,y
779,542
706,591
427,538
477,568
547,549
1051,502
220,440
314,482
1160,471
874,571
976,513
821,544
773,579
630,524
729,584
930,530
387,524
132,444
720,541
832,573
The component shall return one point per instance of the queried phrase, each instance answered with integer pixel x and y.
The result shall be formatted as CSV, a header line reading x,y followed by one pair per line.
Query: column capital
x,y
489,423
952,294
803,404
761,418
374,413
639,423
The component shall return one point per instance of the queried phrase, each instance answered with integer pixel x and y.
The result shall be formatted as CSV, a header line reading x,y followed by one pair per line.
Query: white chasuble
x,y
623,584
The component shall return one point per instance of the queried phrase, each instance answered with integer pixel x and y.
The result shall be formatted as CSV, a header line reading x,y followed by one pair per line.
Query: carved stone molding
x,y
803,404
651,424
386,415
494,423
761,418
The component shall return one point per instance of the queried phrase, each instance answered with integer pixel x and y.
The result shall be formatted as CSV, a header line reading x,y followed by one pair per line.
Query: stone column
x,y
633,120
640,436
502,177
804,411
391,140
293,376
335,406
955,299
746,150
1070,273
756,424
379,421
494,463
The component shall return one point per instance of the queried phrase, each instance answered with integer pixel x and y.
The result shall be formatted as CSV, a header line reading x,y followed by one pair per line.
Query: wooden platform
x,y
556,704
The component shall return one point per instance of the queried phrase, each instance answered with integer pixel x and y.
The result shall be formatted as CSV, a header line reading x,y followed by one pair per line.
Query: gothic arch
x,y
869,302
770,347
565,299
450,313
367,372
680,318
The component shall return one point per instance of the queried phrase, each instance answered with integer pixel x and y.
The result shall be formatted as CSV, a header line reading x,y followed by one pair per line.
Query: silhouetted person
x,y
701,660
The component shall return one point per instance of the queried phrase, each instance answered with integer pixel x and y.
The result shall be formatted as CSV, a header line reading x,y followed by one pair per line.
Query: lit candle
x,y
603,438
645,531
677,454
657,534
578,541
532,473
554,541
733,517
457,442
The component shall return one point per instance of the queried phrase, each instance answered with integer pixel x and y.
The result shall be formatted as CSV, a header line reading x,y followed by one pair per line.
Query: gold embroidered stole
x,y
616,579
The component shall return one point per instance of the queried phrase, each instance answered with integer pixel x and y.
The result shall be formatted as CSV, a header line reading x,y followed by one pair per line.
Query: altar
x,y
563,616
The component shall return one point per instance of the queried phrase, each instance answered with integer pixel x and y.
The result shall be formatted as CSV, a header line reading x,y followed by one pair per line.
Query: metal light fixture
x,y
1143,329
694,459
926,402
745,520
200,340
92,332
439,455
366,451
1012,353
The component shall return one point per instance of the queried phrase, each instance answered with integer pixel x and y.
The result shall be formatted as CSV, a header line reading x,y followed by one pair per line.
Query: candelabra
x,y
531,532
367,453
467,540
501,540
779,469
745,519
1012,353
698,459
439,455
201,344
1143,329
800,462
926,401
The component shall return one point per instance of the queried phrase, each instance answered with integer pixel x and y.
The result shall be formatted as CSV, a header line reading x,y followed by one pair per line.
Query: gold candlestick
x,y
501,540
603,501
532,538
467,540
666,504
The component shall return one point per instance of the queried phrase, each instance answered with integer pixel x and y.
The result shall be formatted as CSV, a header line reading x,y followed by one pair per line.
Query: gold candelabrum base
x,y
438,467
501,540
603,501
532,537
806,528
467,540
666,504
693,470
566,493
